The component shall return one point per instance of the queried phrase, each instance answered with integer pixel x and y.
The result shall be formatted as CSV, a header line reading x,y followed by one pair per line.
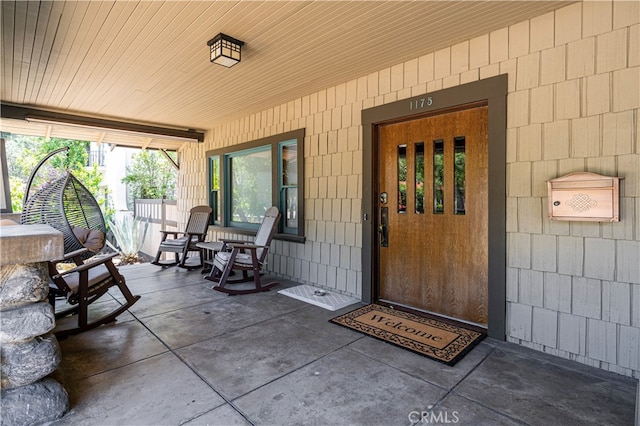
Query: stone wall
x,y
29,351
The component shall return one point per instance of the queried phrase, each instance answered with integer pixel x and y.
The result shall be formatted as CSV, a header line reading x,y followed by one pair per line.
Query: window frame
x,y
282,187
275,143
215,200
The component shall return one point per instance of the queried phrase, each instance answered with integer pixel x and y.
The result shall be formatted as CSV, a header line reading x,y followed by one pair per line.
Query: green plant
x,y
151,176
24,152
16,186
129,237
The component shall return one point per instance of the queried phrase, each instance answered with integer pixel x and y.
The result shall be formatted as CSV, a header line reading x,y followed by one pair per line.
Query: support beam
x,y
50,117
146,143
100,138
168,157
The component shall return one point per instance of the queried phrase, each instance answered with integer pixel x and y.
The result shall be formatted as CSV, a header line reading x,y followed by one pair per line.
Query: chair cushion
x,y
175,242
92,239
95,241
97,274
241,258
81,233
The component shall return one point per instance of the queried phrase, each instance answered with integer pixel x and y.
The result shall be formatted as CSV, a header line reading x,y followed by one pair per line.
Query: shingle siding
x,y
573,289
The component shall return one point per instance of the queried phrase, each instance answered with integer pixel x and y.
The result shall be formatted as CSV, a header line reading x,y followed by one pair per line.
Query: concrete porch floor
x,y
187,355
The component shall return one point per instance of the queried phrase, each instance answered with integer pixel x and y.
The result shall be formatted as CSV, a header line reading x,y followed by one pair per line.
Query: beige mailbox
x,y
584,196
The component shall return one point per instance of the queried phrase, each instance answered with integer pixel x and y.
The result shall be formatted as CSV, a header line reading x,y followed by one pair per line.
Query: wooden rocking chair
x,y
245,256
85,283
195,233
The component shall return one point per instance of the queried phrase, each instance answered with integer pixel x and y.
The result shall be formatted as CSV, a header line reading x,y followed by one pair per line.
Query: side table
x,y
209,250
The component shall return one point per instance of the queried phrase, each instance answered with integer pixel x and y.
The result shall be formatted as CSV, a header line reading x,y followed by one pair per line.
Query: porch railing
x,y
162,215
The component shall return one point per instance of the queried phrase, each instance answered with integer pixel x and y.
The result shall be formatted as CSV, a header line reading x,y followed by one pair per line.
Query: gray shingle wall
x,y
573,288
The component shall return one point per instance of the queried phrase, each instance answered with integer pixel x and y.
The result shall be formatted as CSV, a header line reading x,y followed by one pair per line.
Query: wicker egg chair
x,y
68,206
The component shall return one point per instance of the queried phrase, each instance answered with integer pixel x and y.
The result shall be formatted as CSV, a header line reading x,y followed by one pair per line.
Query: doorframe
x,y
493,91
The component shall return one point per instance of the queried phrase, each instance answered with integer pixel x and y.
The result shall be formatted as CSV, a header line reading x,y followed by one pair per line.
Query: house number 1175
x,y
420,103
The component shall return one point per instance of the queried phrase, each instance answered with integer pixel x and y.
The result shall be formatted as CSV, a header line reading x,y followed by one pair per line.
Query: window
x,y
402,179
214,188
248,189
459,172
419,175
438,176
95,155
246,179
288,184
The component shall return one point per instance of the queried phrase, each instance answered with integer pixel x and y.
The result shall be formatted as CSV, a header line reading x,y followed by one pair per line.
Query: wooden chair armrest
x,y
246,246
195,234
227,242
230,241
91,263
174,233
69,255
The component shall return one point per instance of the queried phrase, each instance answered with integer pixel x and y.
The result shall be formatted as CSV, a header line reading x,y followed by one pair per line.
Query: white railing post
x,y
155,210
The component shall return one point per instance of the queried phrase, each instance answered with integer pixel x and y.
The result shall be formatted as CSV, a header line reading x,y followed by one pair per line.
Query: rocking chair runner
x,y
245,256
195,233
84,284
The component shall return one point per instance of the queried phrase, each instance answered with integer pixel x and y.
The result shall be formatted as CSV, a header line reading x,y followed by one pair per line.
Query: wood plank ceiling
x,y
148,61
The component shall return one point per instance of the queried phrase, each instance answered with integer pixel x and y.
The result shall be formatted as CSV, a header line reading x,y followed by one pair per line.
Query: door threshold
x,y
480,328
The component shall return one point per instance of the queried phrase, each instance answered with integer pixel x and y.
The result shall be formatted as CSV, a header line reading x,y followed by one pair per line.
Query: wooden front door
x,y
433,214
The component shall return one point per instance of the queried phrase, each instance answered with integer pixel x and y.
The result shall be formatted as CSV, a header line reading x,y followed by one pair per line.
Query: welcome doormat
x,y
430,337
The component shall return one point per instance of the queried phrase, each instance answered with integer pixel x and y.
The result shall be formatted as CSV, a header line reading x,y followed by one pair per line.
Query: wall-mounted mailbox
x,y
584,196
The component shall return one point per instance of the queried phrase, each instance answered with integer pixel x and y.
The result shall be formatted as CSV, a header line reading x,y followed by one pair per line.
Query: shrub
x,y
129,237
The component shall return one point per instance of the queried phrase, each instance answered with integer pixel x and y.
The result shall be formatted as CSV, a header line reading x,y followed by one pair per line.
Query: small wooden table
x,y
209,250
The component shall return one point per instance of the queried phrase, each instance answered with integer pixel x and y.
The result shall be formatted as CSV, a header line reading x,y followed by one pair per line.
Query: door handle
x,y
383,228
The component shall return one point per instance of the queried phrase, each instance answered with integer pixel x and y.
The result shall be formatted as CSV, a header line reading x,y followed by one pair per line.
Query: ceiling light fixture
x,y
225,50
